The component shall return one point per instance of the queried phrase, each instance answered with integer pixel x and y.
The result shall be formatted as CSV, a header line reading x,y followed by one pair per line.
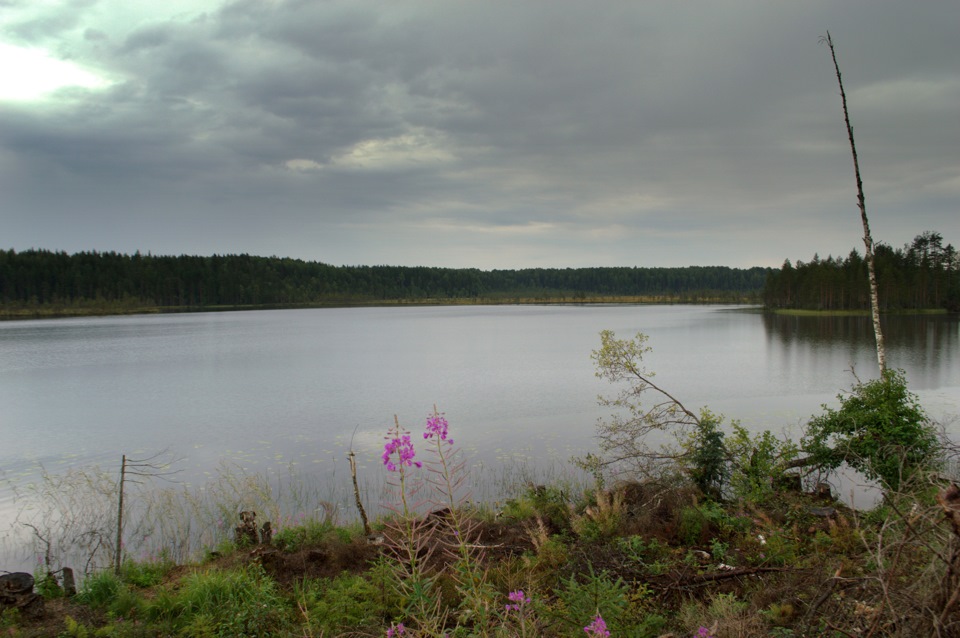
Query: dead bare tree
x,y
149,467
867,239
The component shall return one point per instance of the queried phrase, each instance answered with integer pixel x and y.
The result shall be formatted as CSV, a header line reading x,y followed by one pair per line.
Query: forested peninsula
x,y
48,283
923,275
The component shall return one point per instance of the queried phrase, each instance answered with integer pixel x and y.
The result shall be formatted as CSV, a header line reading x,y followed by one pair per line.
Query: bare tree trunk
x,y
867,240
119,548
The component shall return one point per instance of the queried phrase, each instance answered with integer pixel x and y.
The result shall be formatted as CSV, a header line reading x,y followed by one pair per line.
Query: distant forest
x,y
924,274
42,278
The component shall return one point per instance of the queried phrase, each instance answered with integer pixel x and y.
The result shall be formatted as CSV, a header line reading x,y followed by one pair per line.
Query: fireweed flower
x,y
517,598
597,628
437,426
402,446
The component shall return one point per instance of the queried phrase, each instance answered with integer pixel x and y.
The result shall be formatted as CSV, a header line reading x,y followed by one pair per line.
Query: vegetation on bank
x,y
716,531
46,282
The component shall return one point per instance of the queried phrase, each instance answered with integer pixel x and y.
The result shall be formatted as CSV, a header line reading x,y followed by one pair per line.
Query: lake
x,y
279,389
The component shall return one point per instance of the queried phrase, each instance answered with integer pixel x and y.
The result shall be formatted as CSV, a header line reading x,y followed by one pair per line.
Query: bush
x,y
709,456
598,594
757,463
880,430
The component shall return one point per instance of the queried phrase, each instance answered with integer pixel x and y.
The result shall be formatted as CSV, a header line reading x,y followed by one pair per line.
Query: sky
x,y
477,133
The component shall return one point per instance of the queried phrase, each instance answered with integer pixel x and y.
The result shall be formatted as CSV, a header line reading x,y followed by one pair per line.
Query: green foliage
x,y
597,594
333,606
47,586
880,429
145,574
242,602
75,629
309,534
780,549
632,438
100,589
708,457
649,552
650,626
756,463
602,518
9,619
701,522
127,604
547,502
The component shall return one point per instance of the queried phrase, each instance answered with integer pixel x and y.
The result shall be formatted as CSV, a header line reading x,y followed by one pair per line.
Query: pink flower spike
x,y
437,426
597,628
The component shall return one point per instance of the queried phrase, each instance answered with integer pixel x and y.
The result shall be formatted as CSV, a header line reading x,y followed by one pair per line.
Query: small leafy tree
x,y
626,436
880,430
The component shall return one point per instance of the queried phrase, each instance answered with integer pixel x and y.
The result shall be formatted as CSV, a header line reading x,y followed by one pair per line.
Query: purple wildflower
x,y
703,632
437,426
402,446
518,598
395,631
597,628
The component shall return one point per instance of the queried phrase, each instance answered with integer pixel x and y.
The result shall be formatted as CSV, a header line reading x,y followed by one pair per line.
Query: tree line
x,y
924,274
38,278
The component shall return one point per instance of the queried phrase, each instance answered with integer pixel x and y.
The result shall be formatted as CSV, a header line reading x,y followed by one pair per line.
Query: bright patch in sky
x,y
30,74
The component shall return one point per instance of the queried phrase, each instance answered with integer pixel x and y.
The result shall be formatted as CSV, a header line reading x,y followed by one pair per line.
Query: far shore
x,y
53,311
94,309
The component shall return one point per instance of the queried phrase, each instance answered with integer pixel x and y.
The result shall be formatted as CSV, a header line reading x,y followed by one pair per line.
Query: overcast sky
x,y
476,133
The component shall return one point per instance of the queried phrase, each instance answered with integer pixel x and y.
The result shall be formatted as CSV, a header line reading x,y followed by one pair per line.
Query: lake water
x,y
291,388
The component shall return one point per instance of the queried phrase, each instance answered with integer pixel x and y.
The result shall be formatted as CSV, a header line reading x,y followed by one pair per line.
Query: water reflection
x,y
925,345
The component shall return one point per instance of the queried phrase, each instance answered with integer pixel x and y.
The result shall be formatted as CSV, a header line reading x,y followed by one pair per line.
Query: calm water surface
x,y
268,389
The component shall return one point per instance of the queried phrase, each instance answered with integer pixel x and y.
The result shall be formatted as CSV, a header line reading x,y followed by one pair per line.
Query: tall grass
x,y
68,519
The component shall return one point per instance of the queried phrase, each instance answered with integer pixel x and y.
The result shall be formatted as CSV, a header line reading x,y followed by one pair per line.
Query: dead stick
x,y
356,492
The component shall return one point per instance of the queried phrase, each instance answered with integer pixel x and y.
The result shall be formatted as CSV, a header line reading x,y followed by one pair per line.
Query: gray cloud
x,y
489,134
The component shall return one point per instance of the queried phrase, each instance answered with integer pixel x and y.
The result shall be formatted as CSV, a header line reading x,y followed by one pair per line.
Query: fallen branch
x,y
702,579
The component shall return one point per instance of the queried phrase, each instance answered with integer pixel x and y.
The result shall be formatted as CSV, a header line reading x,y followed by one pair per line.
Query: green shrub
x,y
549,503
647,552
47,586
597,594
756,463
880,430
708,457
